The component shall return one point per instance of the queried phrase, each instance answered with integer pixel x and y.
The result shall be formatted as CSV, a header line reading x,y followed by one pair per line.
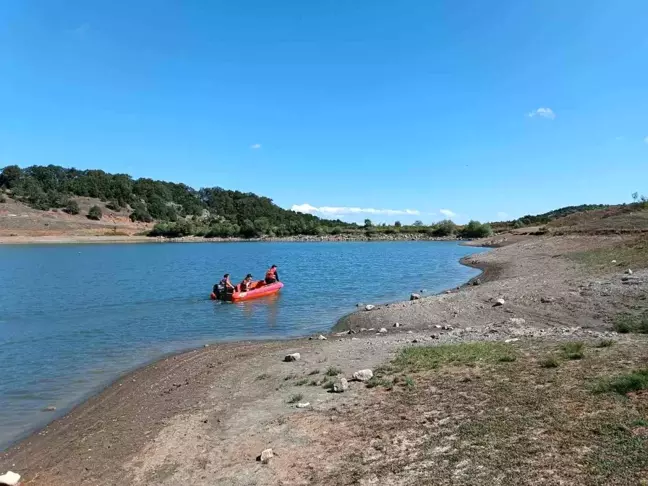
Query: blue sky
x,y
483,109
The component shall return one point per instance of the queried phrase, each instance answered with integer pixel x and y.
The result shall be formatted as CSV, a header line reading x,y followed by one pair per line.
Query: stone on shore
x,y
628,271
265,456
369,307
341,385
10,478
396,324
518,321
303,405
292,357
547,300
382,330
321,337
363,375
415,296
499,302
48,409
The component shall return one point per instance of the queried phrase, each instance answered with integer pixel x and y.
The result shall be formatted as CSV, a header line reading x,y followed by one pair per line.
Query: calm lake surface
x,y
75,317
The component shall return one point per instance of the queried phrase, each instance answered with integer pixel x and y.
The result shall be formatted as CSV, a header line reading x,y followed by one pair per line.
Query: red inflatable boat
x,y
258,289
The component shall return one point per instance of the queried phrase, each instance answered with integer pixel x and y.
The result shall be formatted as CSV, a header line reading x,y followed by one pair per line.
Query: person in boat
x,y
224,286
245,285
271,275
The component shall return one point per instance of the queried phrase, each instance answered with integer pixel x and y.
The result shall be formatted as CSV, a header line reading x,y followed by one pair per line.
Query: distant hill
x,y
207,211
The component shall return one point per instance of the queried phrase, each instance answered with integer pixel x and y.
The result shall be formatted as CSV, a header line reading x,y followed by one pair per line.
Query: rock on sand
x,y
363,375
341,385
292,357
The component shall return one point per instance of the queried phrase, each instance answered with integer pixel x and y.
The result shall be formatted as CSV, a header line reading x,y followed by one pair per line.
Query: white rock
x,y
382,330
363,375
518,321
369,307
415,296
341,385
303,405
410,332
628,271
10,478
292,357
438,326
512,340
396,324
613,261
499,302
266,455
321,337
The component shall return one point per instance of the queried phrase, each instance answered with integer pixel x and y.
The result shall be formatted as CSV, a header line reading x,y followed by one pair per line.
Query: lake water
x,y
73,318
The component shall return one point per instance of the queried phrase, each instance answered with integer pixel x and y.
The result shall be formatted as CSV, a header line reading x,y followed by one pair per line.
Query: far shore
x,y
126,239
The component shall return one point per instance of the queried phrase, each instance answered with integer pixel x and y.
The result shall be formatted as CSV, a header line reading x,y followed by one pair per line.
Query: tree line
x,y
180,210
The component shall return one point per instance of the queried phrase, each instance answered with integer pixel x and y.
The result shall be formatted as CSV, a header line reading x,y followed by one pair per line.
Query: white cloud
x,y
501,215
255,146
543,113
339,211
447,213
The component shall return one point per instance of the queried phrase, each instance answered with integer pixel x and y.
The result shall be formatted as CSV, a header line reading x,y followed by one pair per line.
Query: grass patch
x,y
291,376
622,384
573,350
605,343
333,371
314,383
507,359
432,357
314,372
630,254
328,385
296,398
549,362
409,382
635,323
383,382
301,382
263,376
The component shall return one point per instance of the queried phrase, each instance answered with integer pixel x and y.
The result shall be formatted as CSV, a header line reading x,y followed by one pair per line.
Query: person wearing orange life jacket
x,y
271,275
244,286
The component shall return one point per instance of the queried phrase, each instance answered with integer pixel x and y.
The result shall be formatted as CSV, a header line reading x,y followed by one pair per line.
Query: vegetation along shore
x,y
533,374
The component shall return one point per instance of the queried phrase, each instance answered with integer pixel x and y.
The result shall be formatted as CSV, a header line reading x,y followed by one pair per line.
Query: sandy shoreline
x,y
201,417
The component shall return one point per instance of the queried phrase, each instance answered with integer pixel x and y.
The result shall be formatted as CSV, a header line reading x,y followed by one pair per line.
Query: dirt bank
x,y
203,417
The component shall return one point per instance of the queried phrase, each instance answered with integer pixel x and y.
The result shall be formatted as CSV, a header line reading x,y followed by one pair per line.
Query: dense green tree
x,y
10,176
397,224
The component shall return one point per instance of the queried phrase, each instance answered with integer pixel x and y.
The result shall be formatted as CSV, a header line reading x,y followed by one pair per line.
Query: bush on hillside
x,y
475,229
72,207
95,213
140,213
114,205
3,198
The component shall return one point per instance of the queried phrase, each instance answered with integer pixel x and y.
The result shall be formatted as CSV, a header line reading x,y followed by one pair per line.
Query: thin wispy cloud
x,y
344,210
81,30
542,113
255,146
501,215
447,213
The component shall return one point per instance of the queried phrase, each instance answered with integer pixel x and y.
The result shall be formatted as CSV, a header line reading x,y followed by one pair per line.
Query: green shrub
x,y
95,213
475,229
549,362
444,228
622,384
114,205
140,213
72,207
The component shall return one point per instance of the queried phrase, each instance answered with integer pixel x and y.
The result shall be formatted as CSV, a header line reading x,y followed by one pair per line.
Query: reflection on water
x,y
111,308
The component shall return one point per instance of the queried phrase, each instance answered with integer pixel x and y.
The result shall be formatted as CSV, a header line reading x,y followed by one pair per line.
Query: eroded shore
x,y
204,416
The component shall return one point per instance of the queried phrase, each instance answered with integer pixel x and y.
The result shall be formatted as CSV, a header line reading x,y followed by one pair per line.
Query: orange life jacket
x,y
271,274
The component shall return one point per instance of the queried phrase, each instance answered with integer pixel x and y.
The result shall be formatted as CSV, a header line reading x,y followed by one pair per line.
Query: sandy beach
x,y
203,417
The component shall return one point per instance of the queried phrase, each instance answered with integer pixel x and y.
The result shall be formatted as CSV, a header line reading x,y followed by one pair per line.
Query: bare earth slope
x,y
468,413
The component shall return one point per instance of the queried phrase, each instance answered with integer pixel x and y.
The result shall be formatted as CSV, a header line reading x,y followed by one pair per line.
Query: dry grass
x,y
462,416
631,253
